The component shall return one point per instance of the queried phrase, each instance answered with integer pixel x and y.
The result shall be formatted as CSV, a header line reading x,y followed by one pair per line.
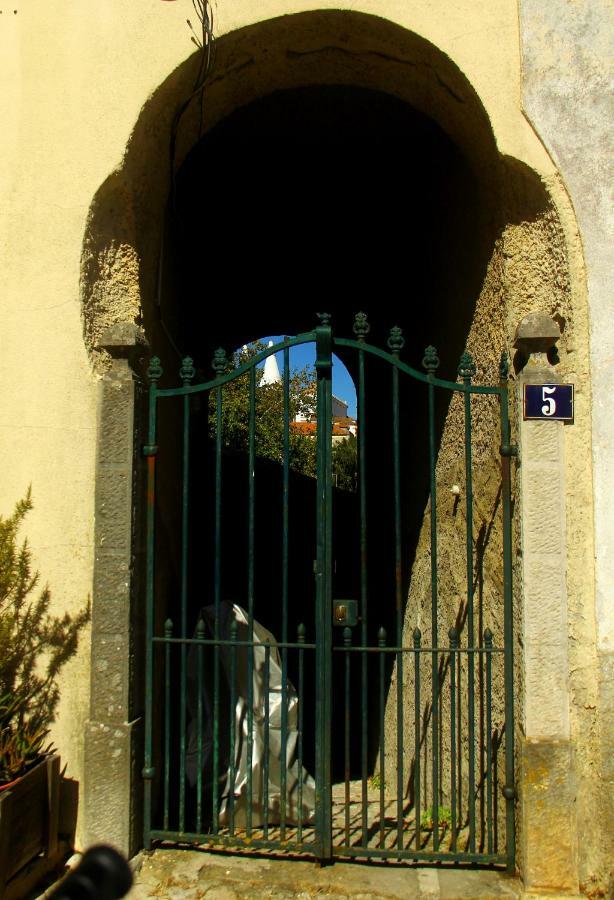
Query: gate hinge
x,y
508,450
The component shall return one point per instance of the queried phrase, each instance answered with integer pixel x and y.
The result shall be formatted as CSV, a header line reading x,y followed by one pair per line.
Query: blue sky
x,y
305,355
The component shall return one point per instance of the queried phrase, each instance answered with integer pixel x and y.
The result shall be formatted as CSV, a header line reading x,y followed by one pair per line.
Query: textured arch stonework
x,y
123,237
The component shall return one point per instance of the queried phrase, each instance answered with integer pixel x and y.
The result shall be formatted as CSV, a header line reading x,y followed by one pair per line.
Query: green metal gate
x,y
322,731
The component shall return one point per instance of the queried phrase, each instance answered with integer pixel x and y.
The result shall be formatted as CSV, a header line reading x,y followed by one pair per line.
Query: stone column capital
x,y
126,343
536,339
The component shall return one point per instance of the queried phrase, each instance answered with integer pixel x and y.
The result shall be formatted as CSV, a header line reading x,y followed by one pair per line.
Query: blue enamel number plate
x,y
548,401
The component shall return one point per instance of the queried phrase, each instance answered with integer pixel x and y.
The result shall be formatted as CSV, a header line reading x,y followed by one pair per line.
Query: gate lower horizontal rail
x,y
231,842
422,855
211,642
234,841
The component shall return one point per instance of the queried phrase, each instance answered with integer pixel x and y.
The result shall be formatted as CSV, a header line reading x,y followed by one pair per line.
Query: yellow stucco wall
x,y
76,76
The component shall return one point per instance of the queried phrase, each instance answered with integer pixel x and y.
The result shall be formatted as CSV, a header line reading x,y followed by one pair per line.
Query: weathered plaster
x,y
567,68
568,53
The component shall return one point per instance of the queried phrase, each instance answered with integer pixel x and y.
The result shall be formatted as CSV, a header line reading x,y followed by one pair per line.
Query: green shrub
x,y
444,817
34,646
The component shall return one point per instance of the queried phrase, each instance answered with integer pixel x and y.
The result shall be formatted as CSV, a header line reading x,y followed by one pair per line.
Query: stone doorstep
x,y
192,874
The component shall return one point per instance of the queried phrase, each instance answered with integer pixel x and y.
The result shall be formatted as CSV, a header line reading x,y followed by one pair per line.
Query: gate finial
x,y
324,318
361,326
430,360
466,366
220,361
187,370
396,341
154,370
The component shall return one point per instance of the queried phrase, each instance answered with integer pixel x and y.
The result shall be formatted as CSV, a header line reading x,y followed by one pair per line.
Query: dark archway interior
x,y
336,198
324,198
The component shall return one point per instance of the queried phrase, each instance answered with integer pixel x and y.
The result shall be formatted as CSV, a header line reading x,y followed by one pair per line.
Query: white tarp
x,y
298,780
295,776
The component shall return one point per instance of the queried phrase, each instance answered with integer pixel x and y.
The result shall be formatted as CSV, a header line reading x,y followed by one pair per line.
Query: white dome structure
x,y
271,369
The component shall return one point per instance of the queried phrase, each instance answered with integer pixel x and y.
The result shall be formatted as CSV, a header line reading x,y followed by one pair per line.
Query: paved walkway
x,y
193,874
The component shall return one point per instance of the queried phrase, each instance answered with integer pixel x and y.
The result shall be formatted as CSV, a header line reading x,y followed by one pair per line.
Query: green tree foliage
x,y
345,459
34,646
269,420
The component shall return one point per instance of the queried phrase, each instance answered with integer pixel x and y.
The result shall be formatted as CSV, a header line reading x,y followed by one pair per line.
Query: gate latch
x,y
344,612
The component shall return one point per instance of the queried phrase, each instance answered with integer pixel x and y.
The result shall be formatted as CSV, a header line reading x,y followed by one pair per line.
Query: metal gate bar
x,y
285,588
398,589
323,569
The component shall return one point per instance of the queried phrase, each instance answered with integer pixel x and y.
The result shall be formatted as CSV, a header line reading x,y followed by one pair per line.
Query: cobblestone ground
x,y
192,875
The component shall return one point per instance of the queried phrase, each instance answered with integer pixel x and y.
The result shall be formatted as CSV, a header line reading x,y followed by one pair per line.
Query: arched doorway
x,y
455,260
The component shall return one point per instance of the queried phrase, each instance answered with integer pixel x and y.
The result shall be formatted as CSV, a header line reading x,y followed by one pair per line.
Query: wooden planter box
x,y
29,814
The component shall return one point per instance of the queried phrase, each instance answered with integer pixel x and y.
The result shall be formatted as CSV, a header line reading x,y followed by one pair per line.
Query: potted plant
x,y
34,646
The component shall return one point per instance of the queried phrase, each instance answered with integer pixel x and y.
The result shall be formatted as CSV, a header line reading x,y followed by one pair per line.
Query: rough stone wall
x,y
535,256
111,274
486,340
528,270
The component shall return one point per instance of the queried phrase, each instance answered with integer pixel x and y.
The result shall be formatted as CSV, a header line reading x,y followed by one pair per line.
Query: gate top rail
x,y
307,337
463,387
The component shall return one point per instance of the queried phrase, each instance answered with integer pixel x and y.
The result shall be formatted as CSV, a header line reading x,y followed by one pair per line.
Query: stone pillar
x,y
547,789
114,733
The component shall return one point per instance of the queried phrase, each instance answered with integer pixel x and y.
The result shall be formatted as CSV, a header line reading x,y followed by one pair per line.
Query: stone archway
x,y
520,254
